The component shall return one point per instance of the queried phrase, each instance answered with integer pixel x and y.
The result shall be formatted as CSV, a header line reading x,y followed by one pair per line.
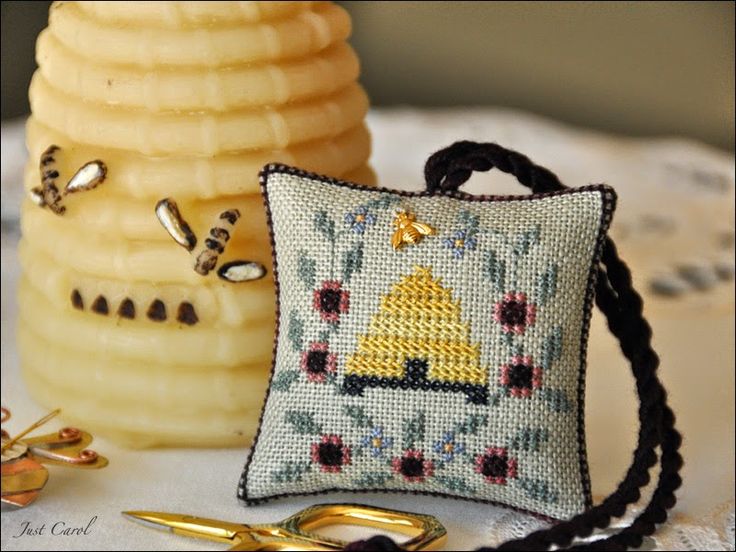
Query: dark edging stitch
x,y
622,306
262,179
608,205
276,168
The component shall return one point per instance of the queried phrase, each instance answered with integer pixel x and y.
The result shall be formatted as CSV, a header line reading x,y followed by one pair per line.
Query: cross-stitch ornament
x,y
435,343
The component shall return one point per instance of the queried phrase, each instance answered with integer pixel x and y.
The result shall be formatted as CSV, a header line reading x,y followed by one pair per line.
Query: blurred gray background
x,y
635,68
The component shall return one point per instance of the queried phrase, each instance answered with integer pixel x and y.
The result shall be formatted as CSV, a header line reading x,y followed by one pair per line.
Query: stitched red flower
x,y
331,454
520,376
318,361
412,466
496,466
514,313
331,301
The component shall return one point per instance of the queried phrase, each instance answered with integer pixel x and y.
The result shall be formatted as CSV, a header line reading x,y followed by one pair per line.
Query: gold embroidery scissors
x,y
296,532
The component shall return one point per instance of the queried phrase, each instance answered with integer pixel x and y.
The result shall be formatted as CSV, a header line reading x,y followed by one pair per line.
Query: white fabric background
x,y
680,186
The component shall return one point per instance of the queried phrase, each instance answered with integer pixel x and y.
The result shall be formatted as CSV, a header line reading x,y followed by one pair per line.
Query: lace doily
x,y
714,531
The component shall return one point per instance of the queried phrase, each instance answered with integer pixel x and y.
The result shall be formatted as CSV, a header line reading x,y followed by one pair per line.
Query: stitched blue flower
x,y
359,219
377,441
448,447
459,242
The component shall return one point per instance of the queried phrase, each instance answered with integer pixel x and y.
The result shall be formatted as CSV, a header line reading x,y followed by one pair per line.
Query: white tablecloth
x,y
675,210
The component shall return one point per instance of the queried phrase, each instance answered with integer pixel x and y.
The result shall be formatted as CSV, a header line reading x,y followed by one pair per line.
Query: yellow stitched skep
x,y
419,319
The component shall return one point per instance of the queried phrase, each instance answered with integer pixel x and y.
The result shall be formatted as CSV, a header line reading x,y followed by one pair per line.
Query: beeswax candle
x,y
142,101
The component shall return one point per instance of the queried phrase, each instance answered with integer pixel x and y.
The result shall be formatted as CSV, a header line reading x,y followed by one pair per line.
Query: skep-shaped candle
x,y
137,103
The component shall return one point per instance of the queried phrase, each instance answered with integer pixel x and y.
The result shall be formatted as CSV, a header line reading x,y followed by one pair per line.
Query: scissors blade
x,y
190,526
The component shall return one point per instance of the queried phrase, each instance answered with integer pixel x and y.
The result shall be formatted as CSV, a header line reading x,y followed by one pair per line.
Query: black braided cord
x,y
616,297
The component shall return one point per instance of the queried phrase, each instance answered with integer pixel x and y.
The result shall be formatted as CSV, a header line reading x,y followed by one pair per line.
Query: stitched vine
x,y
421,319
406,458
521,375
448,169
328,286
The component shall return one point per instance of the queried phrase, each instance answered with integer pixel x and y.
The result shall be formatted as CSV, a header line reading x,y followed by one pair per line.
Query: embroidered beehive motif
x,y
418,340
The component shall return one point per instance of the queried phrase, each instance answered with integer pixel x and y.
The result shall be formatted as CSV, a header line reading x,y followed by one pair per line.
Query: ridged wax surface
x,y
186,100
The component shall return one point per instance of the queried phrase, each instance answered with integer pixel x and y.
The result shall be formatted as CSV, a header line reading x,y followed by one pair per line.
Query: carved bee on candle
x,y
214,245
23,472
88,177
409,230
206,259
93,173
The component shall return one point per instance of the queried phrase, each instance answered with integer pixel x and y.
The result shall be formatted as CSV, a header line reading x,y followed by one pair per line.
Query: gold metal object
x,y
408,230
26,431
297,532
23,475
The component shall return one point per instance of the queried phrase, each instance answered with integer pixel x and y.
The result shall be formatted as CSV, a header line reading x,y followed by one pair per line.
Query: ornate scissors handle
x,y
297,532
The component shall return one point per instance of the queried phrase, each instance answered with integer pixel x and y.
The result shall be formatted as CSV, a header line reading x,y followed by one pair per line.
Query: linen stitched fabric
x,y
453,365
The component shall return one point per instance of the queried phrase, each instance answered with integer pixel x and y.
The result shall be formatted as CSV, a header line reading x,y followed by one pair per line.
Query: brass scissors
x,y
296,532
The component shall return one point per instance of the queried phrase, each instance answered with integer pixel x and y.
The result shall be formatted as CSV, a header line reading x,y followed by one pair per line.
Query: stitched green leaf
x,y
290,471
525,240
382,202
457,484
302,422
508,339
325,225
517,349
306,269
352,261
495,399
372,479
538,490
414,430
472,424
529,439
557,400
547,284
495,270
469,220
358,415
283,380
551,348
295,331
